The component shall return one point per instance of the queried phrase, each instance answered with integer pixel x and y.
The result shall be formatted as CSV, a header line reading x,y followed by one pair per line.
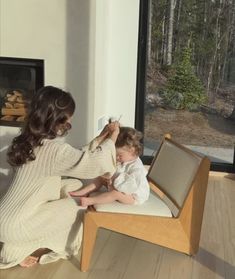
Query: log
x,y
8,118
20,118
19,111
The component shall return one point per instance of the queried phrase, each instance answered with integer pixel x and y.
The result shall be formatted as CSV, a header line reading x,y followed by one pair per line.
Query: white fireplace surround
x,y
89,48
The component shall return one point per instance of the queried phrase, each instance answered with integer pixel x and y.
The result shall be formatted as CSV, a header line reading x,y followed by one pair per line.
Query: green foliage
x,y
184,90
207,27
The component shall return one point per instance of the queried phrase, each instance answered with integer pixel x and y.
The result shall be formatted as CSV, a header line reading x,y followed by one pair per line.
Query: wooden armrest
x,y
156,190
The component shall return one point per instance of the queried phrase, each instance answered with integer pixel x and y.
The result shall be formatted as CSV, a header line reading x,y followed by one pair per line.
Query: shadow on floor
x,y
215,264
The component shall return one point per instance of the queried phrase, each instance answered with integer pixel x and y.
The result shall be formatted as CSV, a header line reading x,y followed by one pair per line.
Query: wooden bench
x,y
172,217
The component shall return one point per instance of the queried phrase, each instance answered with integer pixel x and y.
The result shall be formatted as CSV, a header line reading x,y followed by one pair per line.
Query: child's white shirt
x,y
130,178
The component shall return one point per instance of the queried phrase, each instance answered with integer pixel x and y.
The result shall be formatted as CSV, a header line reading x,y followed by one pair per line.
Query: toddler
x,y
129,184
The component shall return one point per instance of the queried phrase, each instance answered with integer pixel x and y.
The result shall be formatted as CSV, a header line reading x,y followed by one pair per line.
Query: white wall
x,y
122,59
116,59
36,29
89,48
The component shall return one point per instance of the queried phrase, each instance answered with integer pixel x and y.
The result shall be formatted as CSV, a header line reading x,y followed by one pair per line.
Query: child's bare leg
x,y
87,189
107,197
84,191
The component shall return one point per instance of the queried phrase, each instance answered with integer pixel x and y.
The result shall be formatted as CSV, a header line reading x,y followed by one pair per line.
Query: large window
x,y
186,76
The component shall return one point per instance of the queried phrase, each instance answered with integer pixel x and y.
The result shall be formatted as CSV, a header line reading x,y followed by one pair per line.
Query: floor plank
x,y
115,255
208,262
175,265
144,261
228,207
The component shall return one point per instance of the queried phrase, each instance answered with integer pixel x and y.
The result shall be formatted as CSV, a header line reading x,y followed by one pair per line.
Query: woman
x,y
38,223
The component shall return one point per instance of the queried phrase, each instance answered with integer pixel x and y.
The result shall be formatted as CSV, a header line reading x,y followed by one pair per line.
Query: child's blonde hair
x,y
130,137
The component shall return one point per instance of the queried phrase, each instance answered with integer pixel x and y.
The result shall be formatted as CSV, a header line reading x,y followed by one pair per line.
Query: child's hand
x,y
105,178
110,187
107,181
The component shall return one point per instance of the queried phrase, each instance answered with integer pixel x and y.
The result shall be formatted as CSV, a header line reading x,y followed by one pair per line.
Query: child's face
x,y
125,154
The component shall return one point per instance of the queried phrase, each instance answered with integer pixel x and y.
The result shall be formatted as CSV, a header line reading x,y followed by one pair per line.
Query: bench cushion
x,y
153,206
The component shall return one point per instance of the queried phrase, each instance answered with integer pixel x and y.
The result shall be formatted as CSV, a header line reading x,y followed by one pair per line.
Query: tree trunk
x,y
164,41
170,32
177,26
231,43
149,34
213,61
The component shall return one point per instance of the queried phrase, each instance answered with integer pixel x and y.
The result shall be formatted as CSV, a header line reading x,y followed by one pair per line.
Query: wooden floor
x,y
120,257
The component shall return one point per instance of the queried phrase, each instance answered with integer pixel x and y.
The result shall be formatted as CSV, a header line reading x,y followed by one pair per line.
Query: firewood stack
x,y
15,107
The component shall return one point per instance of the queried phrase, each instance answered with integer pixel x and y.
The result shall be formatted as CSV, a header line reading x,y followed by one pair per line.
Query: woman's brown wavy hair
x,y
48,116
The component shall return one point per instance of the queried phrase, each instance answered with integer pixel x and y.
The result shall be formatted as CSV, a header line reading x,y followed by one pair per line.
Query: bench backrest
x,y
173,171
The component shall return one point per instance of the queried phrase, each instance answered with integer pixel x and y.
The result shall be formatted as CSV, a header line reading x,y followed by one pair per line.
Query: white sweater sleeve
x,y
87,163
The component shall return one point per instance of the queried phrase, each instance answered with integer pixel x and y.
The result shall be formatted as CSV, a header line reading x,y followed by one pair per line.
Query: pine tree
x,y
184,90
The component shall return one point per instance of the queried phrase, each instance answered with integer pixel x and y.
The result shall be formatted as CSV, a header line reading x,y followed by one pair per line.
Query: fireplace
x,y
20,78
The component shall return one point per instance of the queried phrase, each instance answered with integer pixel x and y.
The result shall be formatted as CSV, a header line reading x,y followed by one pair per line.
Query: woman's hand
x,y
114,129
110,130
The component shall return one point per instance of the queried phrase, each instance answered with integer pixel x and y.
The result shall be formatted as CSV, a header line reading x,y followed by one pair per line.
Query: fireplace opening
x,y
20,78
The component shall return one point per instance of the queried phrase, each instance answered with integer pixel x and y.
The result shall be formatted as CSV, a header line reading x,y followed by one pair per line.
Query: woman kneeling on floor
x,y
38,224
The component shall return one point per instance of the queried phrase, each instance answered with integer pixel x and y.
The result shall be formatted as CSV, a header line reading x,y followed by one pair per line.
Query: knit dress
x,y
36,212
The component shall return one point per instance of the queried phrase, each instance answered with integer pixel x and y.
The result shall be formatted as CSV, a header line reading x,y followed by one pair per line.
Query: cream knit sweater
x,y
34,214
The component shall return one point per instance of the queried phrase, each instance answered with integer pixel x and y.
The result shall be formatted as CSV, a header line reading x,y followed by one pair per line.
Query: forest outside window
x,y
186,69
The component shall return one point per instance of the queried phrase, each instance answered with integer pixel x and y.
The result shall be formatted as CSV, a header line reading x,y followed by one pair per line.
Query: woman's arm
x,y
86,164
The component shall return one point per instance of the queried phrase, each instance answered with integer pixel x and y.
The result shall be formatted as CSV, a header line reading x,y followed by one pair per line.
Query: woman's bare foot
x,y
29,261
34,257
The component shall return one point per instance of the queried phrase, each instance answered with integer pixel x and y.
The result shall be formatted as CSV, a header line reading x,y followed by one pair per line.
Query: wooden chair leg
x,y
89,238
